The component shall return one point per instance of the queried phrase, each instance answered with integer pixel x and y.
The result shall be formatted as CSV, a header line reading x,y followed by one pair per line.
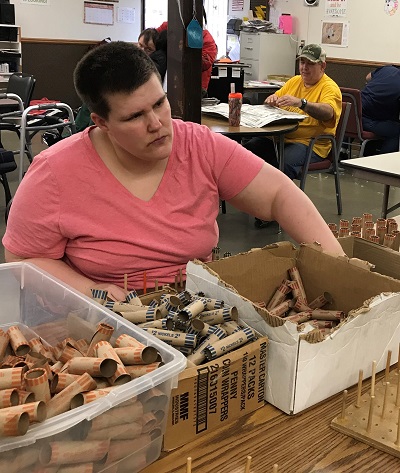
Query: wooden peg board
x,y
383,434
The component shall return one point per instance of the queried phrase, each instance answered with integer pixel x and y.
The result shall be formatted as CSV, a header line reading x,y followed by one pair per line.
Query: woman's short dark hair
x,y
149,34
111,68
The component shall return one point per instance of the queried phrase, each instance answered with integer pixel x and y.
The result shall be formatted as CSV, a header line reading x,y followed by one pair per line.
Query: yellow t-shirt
x,y
324,91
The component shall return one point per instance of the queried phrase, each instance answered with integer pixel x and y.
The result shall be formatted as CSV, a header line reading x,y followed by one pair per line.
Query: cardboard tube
x,y
68,353
344,232
4,341
105,350
9,397
230,327
133,299
137,356
280,309
82,345
199,355
154,399
121,376
192,310
149,421
300,317
320,301
381,232
344,223
295,276
25,396
139,370
36,411
61,402
11,378
388,240
160,323
123,448
219,316
335,315
174,338
117,432
118,415
103,332
87,397
229,343
37,382
18,342
125,340
70,452
141,316
79,468
279,296
103,367
61,381
13,424
211,304
56,368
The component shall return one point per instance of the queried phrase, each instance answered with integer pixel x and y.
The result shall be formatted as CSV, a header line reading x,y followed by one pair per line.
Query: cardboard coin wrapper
x,y
307,364
68,399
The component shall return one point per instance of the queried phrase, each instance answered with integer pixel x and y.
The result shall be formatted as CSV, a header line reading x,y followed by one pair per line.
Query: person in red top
x,y
208,56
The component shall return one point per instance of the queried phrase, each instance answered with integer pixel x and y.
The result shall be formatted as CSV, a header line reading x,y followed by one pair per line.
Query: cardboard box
x,y
214,393
385,260
43,306
303,369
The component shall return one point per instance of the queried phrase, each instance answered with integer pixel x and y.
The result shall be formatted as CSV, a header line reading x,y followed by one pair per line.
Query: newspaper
x,y
255,116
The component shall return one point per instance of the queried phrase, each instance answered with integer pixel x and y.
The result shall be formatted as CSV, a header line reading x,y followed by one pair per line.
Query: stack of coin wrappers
x,y
39,381
382,231
200,327
290,303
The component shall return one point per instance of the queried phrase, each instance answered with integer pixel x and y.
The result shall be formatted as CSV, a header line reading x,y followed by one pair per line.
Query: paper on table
x,y
254,115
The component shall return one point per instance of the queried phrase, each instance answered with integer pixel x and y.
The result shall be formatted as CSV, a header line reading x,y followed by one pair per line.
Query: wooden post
x,y
184,64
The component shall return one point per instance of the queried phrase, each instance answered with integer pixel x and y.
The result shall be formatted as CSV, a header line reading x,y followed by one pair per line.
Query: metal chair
x,y
354,128
330,163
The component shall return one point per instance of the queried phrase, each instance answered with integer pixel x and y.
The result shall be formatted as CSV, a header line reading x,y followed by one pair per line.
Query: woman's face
x,y
148,47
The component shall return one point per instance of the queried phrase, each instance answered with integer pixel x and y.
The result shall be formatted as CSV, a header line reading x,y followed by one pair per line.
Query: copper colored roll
x,y
11,378
25,396
355,234
153,399
320,314
396,243
61,402
388,240
121,376
82,345
320,301
374,238
335,233
367,226
61,381
89,396
18,342
103,367
280,309
123,448
11,361
37,382
295,276
137,356
36,411
70,452
13,424
368,233
380,222
279,295
299,318
117,432
79,468
103,332
125,340
357,221
9,397
355,228
300,306
324,323
4,341
381,232
367,217
56,368
101,383
149,421
332,226
344,223
344,231
68,353
118,415
19,460
139,370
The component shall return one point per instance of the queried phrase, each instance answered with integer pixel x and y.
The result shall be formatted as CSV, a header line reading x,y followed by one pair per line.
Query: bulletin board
x,y
98,13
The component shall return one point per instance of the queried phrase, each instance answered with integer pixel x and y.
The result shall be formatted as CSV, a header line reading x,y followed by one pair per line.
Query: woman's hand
x,y
114,292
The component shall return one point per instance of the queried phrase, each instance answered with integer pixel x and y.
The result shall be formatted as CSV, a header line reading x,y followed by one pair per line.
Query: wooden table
x,y
382,168
298,444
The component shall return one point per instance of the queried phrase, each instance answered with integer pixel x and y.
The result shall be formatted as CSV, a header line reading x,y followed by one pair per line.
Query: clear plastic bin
x,y
40,304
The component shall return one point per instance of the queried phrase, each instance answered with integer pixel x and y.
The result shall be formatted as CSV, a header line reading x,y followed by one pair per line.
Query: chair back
x,y
354,125
21,85
342,125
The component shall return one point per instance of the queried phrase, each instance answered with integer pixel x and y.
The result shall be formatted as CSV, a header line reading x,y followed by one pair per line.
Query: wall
x,y
63,19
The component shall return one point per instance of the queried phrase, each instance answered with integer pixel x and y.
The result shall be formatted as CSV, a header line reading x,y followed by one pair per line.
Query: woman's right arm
x,y
66,274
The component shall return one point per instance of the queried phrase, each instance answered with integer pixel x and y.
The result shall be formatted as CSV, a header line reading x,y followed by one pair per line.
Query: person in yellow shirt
x,y
314,94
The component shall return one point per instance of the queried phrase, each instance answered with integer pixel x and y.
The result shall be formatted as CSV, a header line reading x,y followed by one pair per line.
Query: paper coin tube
x,y
25,396
61,380
13,424
211,304
281,308
300,318
192,310
99,295
118,415
122,448
89,396
103,332
229,343
137,356
335,315
36,411
104,367
174,338
153,399
70,452
18,342
11,378
230,327
219,316
139,370
79,468
4,341
9,397
320,301
117,432
141,316
133,299
279,295
37,382
125,340
61,402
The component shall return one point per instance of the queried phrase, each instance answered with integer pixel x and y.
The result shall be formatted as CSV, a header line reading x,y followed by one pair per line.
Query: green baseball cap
x,y
313,52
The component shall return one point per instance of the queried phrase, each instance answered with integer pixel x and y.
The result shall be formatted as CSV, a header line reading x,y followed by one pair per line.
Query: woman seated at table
x,y
139,192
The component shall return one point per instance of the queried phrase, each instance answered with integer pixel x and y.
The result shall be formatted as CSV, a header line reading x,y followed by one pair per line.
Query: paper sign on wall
x,y
37,2
336,7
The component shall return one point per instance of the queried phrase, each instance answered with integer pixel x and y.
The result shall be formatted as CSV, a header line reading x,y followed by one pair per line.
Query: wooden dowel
x,y
385,398
180,279
373,378
144,282
389,356
275,468
343,414
189,465
126,282
156,284
370,414
248,464
359,387
398,431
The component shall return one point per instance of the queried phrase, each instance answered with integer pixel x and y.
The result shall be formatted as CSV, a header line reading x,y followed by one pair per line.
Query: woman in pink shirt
x,y
139,191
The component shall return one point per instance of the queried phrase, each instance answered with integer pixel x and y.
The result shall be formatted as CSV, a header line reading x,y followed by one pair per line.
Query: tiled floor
x,y
237,230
